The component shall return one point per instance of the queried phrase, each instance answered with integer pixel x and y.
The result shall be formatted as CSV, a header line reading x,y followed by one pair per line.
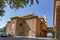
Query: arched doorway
x,y
50,35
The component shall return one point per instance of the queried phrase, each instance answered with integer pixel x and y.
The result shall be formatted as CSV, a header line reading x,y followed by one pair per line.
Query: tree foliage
x,y
14,4
2,5
3,29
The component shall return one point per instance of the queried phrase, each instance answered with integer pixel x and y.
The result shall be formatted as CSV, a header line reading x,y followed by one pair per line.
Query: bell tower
x,y
57,18
45,18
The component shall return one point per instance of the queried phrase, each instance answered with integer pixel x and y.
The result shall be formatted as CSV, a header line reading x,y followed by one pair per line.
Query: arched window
x,y
20,24
50,35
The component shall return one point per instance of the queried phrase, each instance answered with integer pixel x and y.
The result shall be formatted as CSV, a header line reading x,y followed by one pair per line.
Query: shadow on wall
x,y
26,28
22,28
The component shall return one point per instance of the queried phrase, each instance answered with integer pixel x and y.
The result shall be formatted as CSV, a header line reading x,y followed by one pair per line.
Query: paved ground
x,y
17,38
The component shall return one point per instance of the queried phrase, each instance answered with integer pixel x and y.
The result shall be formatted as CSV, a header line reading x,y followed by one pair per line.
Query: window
x,y
20,24
12,25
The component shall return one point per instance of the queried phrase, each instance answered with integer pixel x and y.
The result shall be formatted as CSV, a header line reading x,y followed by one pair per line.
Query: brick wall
x,y
57,18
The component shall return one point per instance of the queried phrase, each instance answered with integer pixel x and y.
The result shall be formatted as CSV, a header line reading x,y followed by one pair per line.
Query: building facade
x,y
29,25
57,18
51,31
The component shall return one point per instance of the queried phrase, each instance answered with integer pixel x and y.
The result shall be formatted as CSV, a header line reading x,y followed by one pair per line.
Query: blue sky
x,y
45,6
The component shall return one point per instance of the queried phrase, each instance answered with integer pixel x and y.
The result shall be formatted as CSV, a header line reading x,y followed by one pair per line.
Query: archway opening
x,y
50,35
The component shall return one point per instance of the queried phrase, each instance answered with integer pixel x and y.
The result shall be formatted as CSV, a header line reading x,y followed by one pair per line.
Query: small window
x,y
12,25
20,24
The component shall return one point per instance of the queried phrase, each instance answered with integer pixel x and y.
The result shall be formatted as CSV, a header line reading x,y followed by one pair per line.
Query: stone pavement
x,y
17,38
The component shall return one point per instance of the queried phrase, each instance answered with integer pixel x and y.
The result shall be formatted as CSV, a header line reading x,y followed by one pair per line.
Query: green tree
x,y
1,29
15,4
4,29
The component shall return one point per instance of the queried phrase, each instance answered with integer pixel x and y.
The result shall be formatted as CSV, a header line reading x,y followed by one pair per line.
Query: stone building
x,y
51,31
29,25
57,18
